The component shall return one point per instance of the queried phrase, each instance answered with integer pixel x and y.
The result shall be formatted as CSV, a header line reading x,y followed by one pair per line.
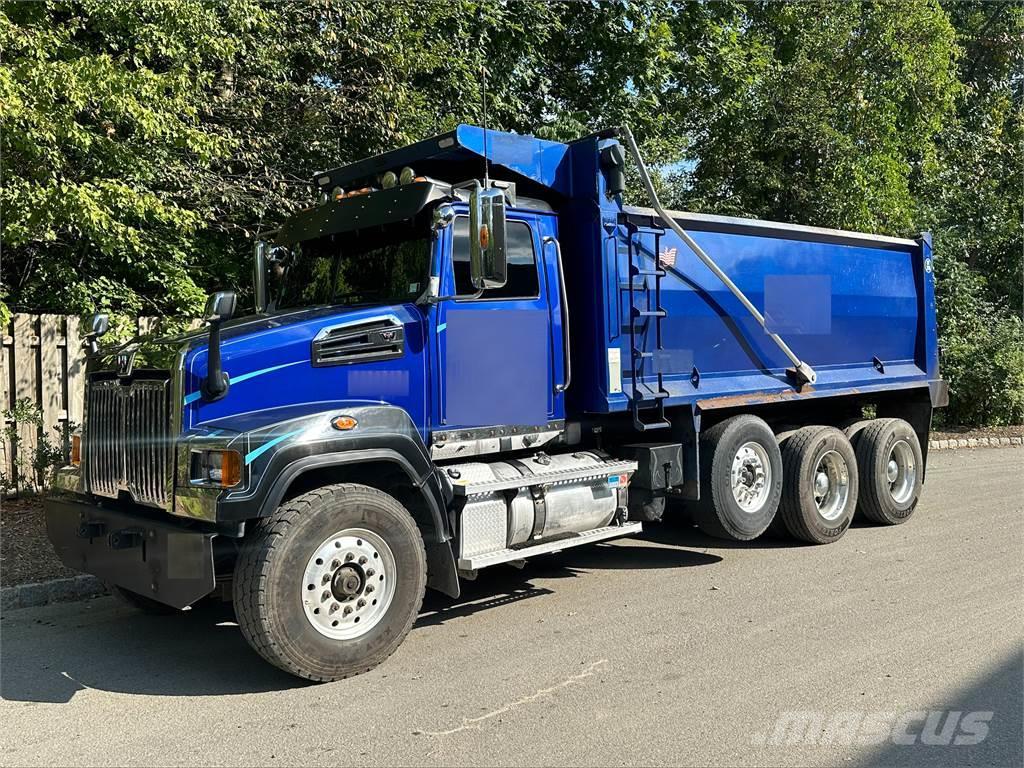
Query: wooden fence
x,y
42,360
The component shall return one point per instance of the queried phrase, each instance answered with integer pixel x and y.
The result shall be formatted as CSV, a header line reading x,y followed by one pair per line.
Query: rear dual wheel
x,y
819,493
741,478
891,470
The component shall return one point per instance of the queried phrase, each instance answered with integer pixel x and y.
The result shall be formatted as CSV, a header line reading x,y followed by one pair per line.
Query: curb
x,y
46,592
975,442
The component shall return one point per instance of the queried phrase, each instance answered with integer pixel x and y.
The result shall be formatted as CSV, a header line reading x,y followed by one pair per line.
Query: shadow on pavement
x,y
104,645
1000,693
52,653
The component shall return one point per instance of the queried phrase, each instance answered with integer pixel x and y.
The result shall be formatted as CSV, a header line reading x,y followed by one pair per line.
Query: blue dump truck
x,y
469,352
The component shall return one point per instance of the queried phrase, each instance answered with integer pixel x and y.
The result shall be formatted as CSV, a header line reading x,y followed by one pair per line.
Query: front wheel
x,y
331,584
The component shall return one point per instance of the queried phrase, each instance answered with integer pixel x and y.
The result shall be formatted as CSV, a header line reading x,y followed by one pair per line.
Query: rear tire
x,y
330,585
741,479
819,494
891,471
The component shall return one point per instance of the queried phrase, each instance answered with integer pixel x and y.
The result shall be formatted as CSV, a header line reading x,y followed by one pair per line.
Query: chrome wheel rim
x,y
901,472
348,584
831,485
751,476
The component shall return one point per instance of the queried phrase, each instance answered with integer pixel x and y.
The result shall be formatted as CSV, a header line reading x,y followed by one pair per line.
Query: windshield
x,y
376,267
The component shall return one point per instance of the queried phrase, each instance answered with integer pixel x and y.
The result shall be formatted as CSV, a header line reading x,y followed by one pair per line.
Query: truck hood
x,y
271,365
155,352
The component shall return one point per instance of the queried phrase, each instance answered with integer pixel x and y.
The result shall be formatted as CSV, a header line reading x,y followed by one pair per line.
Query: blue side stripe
x,y
441,327
251,456
191,398
254,374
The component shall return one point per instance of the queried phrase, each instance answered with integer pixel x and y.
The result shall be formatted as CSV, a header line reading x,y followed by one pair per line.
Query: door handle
x,y
564,301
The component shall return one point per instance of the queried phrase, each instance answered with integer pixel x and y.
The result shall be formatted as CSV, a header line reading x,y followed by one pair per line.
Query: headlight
x,y
218,468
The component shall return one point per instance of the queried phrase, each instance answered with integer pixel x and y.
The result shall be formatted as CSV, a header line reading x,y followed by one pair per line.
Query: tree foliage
x,y
144,142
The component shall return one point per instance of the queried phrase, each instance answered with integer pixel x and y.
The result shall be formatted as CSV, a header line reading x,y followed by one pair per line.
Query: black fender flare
x,y
442,573
427,485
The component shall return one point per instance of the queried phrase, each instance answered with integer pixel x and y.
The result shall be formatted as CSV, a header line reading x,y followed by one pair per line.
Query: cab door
x,y
495,349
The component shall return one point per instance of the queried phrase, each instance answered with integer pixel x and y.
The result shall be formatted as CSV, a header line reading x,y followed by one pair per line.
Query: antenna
x,y
487,179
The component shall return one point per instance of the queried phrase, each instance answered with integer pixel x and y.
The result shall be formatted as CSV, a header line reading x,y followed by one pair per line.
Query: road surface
x,y
671,649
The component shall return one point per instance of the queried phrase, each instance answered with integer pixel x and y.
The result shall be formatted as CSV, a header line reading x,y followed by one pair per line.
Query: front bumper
x,y
166,562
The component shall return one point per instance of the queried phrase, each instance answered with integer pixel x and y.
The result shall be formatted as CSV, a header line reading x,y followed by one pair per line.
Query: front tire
x,y
741,479
330,585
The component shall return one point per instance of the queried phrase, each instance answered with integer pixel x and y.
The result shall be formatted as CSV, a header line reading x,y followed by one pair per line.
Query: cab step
x,y
477,562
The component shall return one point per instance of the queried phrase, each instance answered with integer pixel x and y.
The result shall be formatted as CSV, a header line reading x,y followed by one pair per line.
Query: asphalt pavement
x,y
893,646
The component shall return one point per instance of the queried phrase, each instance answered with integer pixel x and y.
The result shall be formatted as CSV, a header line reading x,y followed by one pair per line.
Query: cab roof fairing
x,y
538,164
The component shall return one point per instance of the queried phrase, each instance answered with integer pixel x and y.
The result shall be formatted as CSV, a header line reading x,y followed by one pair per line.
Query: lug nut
x,y
325,594
326,578
347,611
369,572
360,604
335,564
349,557
369,588
334,607
362,560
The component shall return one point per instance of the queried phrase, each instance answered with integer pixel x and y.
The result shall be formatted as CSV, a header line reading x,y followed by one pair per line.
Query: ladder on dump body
x,y
643,397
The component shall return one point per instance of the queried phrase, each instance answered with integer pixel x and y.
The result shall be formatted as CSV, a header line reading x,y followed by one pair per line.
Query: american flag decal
x,y
667,258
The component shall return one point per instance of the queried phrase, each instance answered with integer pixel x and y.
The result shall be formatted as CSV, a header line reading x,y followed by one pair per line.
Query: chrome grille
x,y
127,440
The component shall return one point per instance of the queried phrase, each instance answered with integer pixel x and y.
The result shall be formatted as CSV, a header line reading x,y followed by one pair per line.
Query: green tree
x,y
105,150
818,112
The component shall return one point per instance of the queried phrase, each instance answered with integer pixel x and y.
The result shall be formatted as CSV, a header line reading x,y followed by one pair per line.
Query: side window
x,y
522,262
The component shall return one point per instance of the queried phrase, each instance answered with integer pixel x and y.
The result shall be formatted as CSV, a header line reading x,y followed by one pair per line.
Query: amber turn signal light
x,y
76,450
221,468
344,423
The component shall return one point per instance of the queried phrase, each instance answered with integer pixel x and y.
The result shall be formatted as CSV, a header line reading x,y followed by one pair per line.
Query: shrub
x,y
982,347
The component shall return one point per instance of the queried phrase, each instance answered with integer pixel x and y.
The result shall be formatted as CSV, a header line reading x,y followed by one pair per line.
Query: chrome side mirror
x,y
259,275
220,307
487,255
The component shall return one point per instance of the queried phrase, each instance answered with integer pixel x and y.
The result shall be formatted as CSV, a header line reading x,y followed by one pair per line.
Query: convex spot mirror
x,y
487,255
99,324
220,306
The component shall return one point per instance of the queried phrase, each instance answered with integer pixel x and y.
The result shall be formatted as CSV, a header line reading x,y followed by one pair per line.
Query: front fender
x,y
275,455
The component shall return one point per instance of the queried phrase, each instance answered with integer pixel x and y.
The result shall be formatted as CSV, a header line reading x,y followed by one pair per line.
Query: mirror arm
x,y
564,301
215,385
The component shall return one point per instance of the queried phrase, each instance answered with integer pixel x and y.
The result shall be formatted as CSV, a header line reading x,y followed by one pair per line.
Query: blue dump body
x,y
842,303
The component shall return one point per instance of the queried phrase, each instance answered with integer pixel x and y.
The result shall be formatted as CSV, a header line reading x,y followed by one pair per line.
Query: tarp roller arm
x,y
801,371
